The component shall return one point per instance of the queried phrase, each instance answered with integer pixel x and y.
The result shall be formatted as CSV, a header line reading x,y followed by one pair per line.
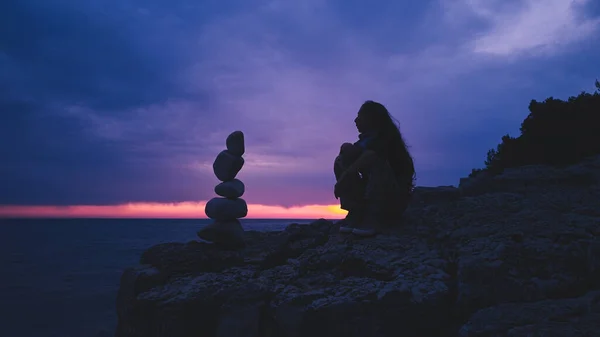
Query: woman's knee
x,y
350,153
345,147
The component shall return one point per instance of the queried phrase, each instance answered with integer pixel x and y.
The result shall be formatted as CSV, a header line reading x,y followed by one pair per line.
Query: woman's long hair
x,y
389,128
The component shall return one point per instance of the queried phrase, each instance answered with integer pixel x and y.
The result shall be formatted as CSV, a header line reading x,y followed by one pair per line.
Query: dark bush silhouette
x,y
554,133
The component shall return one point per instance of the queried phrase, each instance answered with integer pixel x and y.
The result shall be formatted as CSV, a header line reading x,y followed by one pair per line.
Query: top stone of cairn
x,y
235,143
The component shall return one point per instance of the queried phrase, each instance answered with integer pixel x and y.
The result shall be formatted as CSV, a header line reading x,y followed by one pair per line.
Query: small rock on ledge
x,y
230,189
226,166
228,234
224,209
235,143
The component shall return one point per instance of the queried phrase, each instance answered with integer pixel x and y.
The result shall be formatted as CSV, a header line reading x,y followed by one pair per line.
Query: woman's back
x,y
398,158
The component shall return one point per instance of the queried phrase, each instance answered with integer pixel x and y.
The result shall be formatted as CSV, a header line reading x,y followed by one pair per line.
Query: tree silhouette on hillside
x,y
555,132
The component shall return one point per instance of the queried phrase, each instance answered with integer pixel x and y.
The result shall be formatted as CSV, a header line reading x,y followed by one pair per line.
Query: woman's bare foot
x,y
368,227
350,222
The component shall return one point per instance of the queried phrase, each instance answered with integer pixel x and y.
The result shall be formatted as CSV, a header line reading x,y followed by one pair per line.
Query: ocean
x,y
60,276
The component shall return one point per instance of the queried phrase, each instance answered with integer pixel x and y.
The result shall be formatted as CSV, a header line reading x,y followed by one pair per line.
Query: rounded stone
x,y
228,234
230,189
235,143
227,165
226,209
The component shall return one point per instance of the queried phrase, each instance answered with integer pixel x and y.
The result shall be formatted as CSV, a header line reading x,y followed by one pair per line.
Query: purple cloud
x,y
142,117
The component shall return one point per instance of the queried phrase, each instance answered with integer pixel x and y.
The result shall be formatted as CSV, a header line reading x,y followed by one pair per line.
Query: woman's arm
x,y
363,163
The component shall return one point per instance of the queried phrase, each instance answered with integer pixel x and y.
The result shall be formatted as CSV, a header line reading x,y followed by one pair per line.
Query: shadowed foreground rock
x,y
518,257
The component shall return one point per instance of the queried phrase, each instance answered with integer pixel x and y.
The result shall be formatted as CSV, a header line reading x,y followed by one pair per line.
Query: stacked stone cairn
x,y
225,210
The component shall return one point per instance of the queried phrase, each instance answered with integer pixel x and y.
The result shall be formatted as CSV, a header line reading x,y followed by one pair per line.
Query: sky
x,y
118,108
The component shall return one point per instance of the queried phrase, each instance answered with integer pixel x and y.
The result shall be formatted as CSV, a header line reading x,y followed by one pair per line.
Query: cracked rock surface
x,y
513,255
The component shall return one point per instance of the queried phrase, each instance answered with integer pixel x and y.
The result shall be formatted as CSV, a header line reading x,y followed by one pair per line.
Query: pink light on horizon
x,y
183,210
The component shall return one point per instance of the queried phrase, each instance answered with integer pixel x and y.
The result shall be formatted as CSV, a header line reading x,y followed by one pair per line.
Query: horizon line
x,y
140,218
180,210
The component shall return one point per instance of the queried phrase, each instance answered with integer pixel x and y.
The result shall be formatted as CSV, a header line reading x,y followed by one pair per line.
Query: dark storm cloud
x,y
73,54
55,55
105,102
48,159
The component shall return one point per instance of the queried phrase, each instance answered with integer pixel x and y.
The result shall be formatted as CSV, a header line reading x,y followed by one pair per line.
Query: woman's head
x,y
373,117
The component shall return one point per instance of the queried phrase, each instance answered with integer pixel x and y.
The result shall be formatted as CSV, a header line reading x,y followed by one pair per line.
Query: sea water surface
x,y
59,277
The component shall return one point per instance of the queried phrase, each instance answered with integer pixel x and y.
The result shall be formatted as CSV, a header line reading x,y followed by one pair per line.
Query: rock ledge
x,y
518,255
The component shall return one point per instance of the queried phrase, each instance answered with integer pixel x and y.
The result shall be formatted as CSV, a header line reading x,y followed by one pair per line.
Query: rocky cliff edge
x,y
517,254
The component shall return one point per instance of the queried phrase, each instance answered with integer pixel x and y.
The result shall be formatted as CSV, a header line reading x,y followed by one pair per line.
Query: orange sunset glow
x,y
183,210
